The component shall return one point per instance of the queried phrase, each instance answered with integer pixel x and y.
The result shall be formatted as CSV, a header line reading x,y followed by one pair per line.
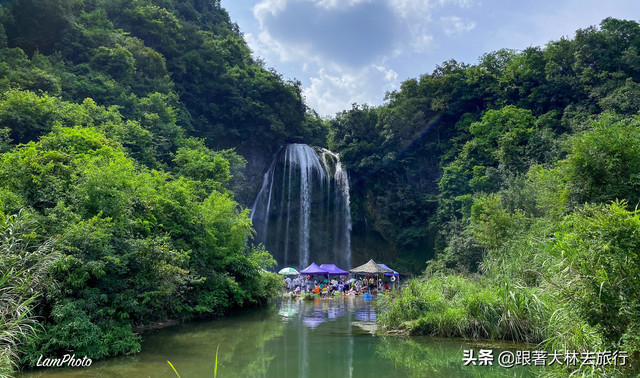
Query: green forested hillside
x,y
517,181
186,53
419,162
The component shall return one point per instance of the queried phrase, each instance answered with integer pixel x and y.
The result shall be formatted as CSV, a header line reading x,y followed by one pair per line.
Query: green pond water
x,y
324,338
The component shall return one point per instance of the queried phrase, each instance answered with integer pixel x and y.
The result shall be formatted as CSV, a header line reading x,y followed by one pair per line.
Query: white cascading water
x,y
297,210
342,181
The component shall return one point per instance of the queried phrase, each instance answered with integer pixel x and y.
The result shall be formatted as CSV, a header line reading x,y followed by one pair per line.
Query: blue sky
x,y
346,51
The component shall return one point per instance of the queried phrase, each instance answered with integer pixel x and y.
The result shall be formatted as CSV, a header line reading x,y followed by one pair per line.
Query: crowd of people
x,y
336,285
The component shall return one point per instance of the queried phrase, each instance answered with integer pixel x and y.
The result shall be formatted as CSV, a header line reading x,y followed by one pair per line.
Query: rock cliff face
x,y
258,160
367,243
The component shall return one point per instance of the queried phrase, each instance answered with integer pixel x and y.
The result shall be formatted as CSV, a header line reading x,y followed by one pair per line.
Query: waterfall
x,y
303,207
342,195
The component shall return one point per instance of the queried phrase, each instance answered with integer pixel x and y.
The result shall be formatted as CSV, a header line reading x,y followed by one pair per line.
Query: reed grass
x,y
458,306
16,323
24,276
174,369
215,366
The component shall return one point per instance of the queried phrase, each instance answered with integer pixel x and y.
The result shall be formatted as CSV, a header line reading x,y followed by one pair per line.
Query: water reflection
x,y
313,312
427,357
293,338
366,315
288,310
191,348
313,322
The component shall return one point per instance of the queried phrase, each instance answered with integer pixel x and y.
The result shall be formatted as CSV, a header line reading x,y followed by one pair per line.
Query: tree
x,y
604,163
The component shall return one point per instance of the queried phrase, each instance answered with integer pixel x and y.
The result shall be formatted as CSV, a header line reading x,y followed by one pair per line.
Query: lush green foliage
x,y
136,245
24,275
524,167
565,272
520,174
419,161
119,208
187,54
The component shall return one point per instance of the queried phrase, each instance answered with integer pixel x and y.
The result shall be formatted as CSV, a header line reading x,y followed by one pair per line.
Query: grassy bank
x,y
476,307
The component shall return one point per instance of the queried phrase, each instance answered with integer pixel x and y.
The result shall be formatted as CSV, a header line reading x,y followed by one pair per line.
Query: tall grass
x,y
458,306
565,286
24,267
478,307
16,323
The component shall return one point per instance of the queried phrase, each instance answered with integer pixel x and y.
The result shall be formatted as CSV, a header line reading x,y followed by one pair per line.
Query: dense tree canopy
x,y
118,52
420,160
137,245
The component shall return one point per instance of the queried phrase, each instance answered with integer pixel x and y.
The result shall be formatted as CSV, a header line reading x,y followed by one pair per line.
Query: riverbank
x,y
155,326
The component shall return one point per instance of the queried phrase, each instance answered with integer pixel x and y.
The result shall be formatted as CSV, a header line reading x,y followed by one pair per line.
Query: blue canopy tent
x,y
394,274
390,274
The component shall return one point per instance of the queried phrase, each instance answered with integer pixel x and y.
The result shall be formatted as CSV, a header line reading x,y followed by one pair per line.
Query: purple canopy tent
x,y
314,269
333,270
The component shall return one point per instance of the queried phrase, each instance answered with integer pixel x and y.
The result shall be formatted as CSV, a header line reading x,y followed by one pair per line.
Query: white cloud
x,y
273,7
389,74
417,8
454,25
418,18
346,32
328,93
348,43
264,7
266,46
329,4
353,31
421,41
332,92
